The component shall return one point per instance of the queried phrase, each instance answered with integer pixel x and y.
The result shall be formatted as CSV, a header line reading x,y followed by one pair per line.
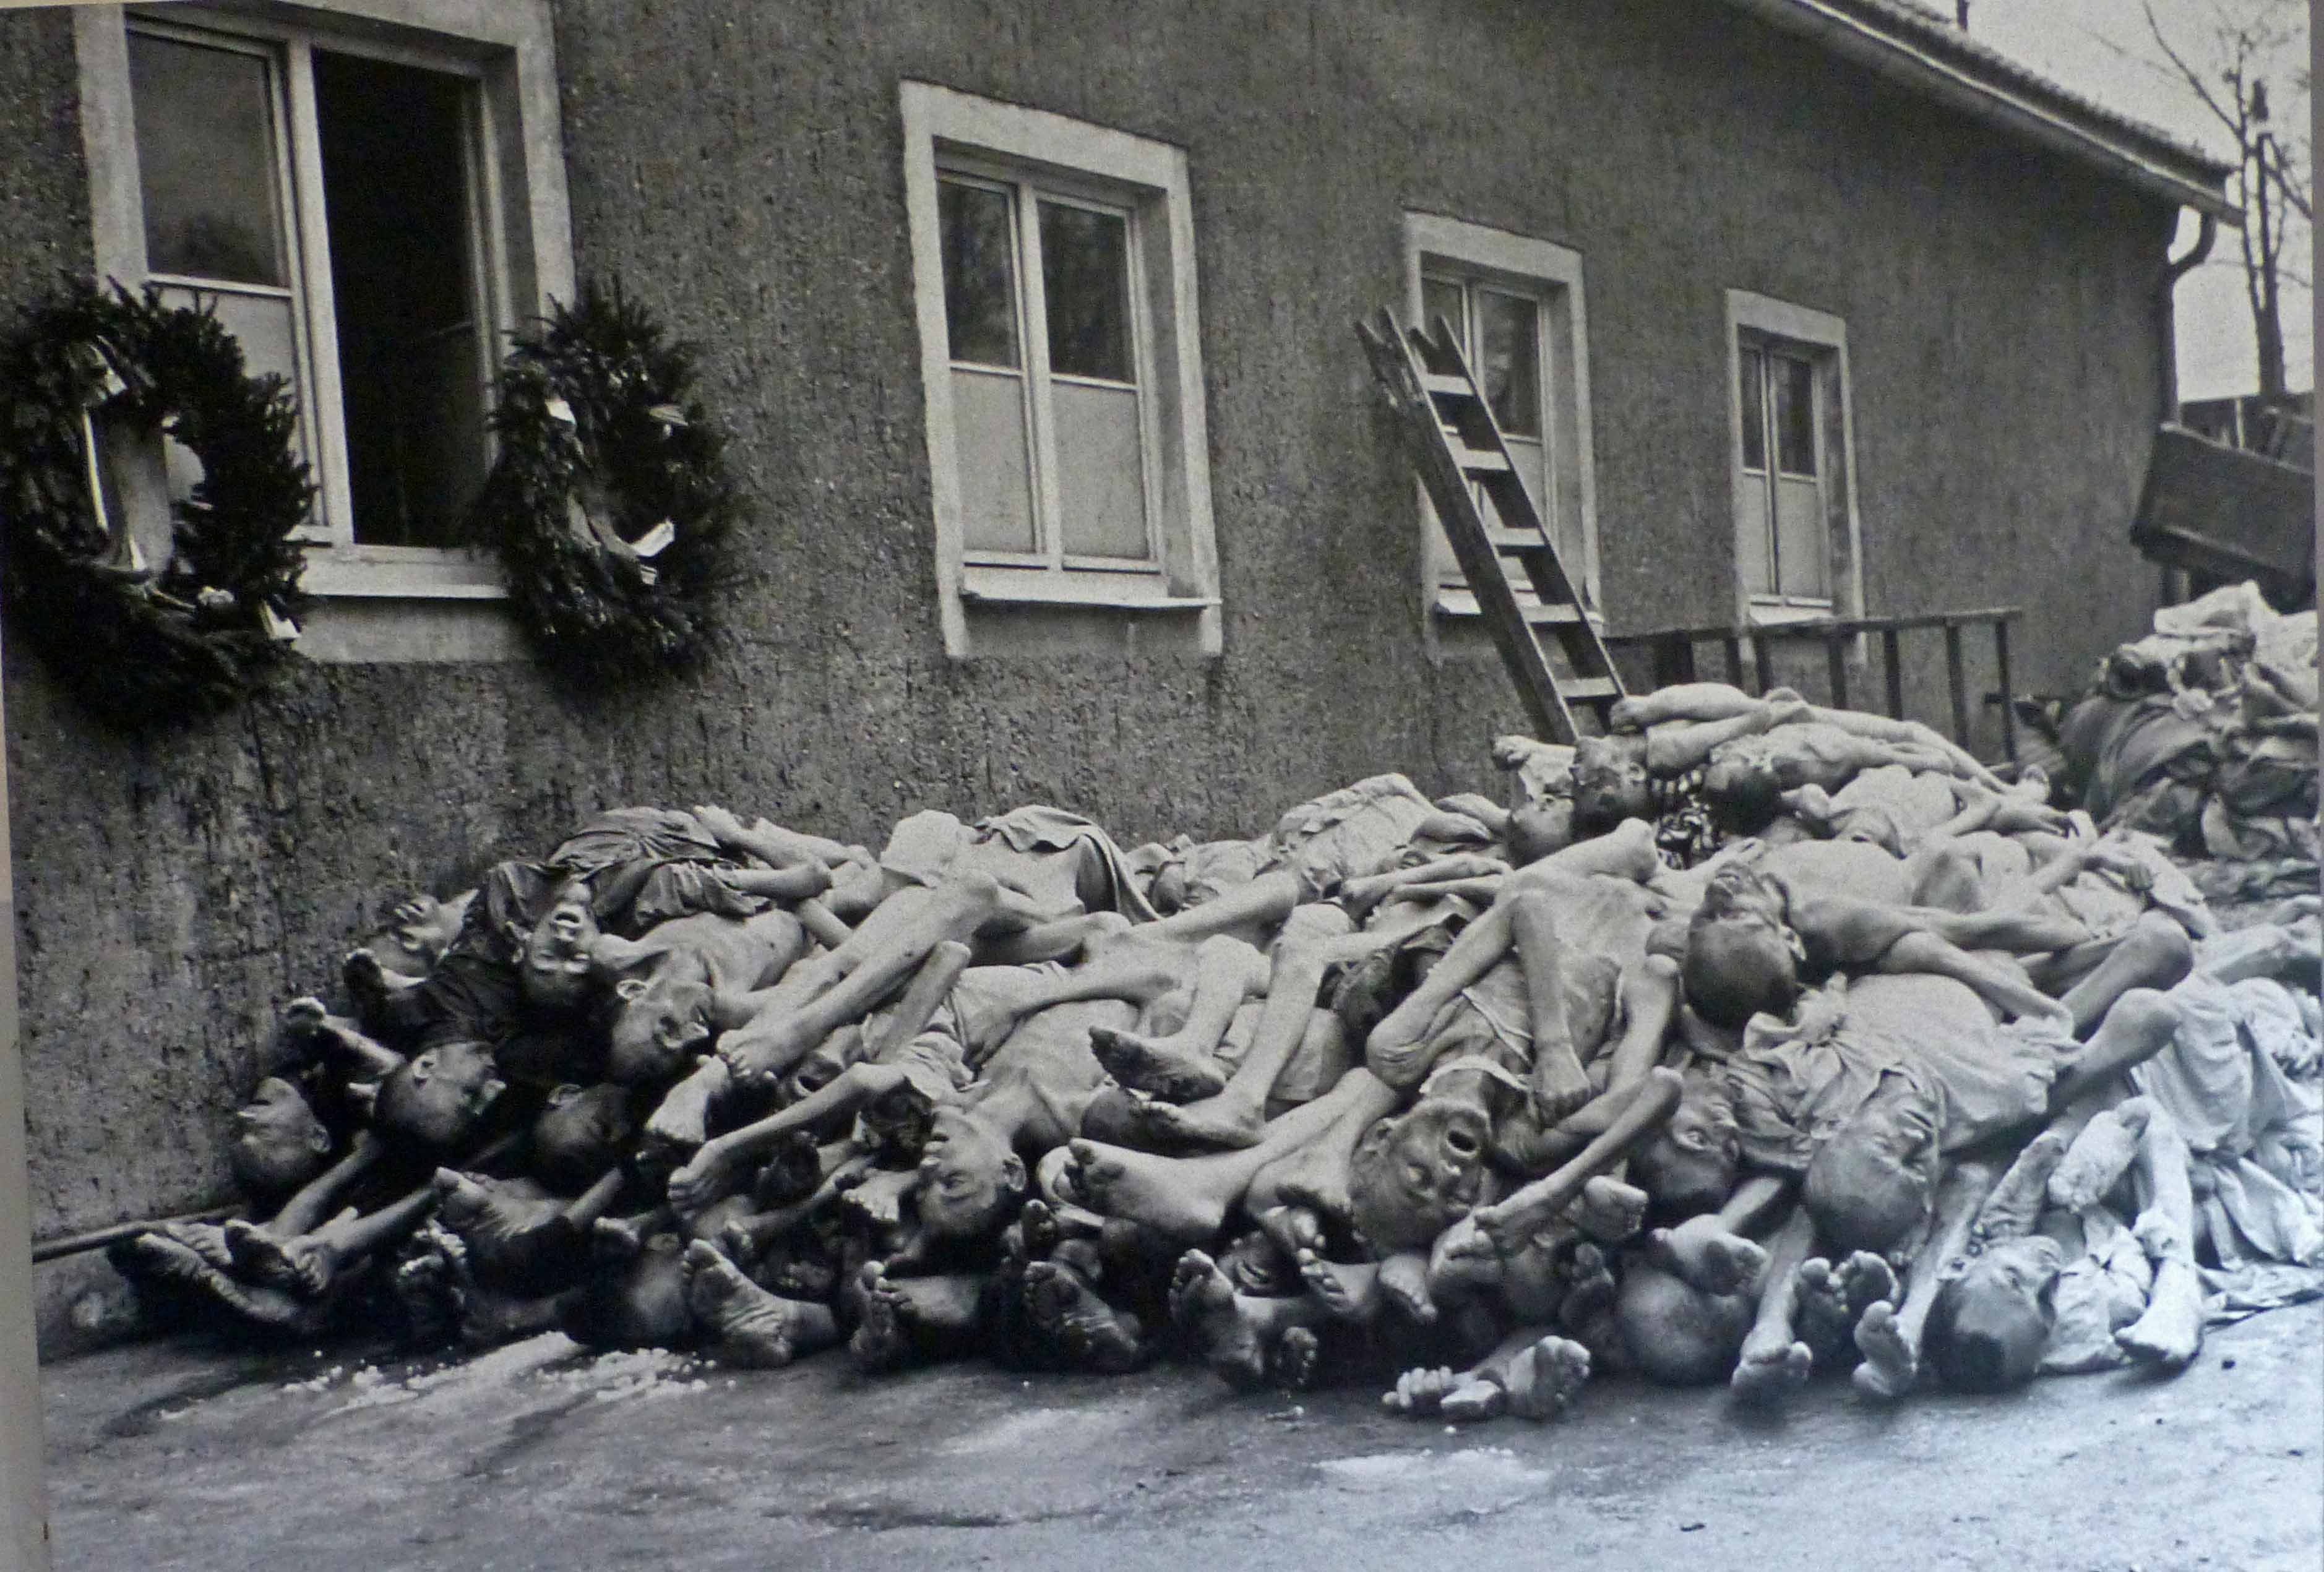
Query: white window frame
x,y
521,251
1763,321
1551,274
983,140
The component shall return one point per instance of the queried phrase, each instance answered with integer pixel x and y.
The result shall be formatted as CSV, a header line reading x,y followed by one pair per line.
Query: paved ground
x,y
541,1455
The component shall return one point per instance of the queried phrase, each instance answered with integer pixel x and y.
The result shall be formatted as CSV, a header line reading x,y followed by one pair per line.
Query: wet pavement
x,y
541,1455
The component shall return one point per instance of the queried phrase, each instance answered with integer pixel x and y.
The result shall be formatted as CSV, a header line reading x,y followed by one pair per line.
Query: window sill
x,y
401,573
1109,592
1770,615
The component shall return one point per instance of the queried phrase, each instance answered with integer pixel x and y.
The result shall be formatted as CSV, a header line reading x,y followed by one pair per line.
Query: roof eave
x,y
1895,55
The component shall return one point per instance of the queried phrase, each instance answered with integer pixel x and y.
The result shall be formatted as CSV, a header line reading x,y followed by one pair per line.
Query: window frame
x,y
949,131
1437,246
1820,338
521,258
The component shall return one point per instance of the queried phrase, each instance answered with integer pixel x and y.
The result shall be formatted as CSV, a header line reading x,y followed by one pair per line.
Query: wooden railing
x,y
1672,652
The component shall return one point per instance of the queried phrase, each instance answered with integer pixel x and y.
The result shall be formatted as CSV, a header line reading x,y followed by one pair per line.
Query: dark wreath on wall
x,y
149,610
610,502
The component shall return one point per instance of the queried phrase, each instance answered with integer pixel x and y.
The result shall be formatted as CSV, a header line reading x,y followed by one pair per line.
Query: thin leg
x,y
1890,1339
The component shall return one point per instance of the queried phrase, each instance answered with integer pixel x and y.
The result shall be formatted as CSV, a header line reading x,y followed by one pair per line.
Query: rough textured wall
x,y
737,162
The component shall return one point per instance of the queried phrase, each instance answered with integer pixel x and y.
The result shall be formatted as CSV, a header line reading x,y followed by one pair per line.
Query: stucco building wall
x,y
738,165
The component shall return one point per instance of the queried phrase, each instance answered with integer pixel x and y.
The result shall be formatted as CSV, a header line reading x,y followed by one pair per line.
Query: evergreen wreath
x,y
90,374
610,503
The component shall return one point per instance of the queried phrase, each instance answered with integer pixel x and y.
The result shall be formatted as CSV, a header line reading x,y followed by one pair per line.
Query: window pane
x,y
1099,484
1795,382
1445,298
1754,559
1802,558
996,493
1755,411
980,272
261,325
1508,334
206,161
1085,274
412,365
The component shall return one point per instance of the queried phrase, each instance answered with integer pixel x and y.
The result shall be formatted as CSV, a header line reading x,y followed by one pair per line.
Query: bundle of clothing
x,y
2205,735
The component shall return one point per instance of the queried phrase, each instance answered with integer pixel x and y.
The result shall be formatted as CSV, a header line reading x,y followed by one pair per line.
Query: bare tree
x,y
2243,40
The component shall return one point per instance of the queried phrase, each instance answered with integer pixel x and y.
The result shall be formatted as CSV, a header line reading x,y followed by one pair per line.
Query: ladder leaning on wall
x,y
1554,654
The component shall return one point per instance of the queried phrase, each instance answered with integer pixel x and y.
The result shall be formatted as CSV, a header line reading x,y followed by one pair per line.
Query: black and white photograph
x,y
1142,784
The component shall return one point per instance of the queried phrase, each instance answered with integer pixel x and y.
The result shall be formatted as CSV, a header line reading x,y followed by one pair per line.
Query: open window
x,y
368,195
1054,274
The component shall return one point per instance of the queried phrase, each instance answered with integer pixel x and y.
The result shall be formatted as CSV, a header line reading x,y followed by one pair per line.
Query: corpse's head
x,y
438,1098
279,1144
1874,824
1689,1166
553,961
971,1181
1991,1320
1679,1336
1872,1178
1742,956
1538,829
584,1131
1743,789
1415,1174
659,1024
1609,782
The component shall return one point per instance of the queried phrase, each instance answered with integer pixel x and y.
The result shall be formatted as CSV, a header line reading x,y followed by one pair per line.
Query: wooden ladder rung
x,y
1451,387
1590,689
1476,461
1542,613
1517,540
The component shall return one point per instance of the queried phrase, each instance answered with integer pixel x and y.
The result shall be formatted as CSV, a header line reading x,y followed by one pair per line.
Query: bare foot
x,y
1348,1292
1463,1256
1560,1084
305,1016
1404,1283
1204,1305
1706,1257
1420,1390
1771,1366
1544,1380
682,1122
1222,1122
514,1237
713,1174
1090,1333
742,1323
1609,1211
1820,1308
1159,1066
878,1198
1890,1365
2171,1333
1144,1189
2100,1155
617,1239
1590,1287
882,1340
1292,1365
1294,1228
